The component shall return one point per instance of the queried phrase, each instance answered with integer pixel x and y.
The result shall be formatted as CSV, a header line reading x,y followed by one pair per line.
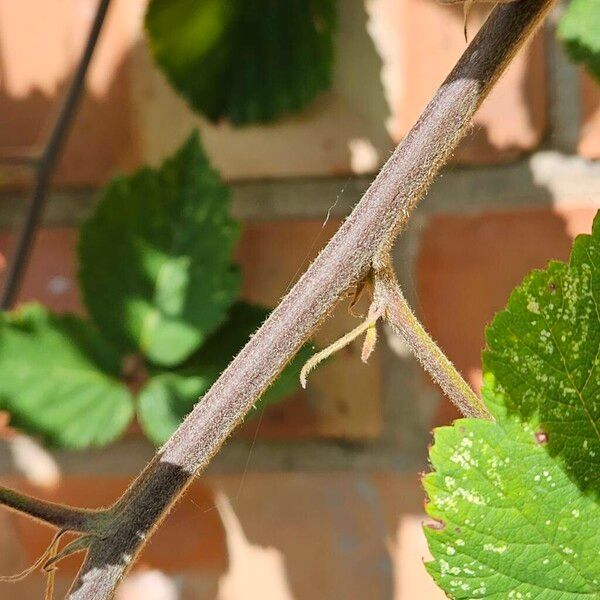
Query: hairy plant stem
x,y
367,234
361,245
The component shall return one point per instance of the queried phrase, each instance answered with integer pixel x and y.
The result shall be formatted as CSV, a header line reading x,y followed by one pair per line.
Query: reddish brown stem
x,y
363,240
361,244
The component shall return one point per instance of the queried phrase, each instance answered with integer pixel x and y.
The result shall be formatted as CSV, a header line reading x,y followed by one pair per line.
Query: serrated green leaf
x,y
544,350
510,522
579,29
247,60
169,397
516,501
156,269
60,380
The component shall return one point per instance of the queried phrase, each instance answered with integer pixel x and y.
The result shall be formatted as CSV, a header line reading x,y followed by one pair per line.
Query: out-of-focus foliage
x,y
156,269
579,30
59,379
160,285
245,60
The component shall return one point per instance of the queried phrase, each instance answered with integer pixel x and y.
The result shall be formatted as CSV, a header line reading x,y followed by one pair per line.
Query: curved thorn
x,y
466,9
319,357
369,343
361,286
81,543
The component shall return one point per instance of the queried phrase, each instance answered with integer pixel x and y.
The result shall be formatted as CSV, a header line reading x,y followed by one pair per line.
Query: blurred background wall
x,y
320,496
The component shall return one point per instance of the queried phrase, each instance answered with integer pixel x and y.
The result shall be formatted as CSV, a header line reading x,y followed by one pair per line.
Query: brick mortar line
x,y
126,458
545,178
564,89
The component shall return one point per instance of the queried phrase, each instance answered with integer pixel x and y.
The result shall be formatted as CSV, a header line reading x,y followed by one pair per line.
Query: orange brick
x,y
341,535
51,275
589,141
468,265
13,560
5,430
420,41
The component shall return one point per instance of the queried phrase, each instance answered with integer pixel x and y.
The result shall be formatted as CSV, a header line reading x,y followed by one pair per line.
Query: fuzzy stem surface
x,y
354,250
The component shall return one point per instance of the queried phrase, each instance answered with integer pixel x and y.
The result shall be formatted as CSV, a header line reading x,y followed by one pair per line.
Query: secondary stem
x,y
60,516
403,321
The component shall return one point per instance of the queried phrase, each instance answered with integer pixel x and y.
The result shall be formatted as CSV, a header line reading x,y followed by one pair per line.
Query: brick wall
x,y
325,494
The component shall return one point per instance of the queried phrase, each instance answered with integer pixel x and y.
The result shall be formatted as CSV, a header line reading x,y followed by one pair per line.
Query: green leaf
x,y
247,60
169,397
60,380
579,30
544,350
516,500
156,269
510,521
166,400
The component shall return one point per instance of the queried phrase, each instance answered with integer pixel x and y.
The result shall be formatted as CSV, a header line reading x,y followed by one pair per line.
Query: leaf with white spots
x,y
515,501
544,351
509,522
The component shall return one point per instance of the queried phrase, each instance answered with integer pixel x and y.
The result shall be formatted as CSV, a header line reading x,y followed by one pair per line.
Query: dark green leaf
x,y
170,396
544,350
247,60
156,268
579,30
60,380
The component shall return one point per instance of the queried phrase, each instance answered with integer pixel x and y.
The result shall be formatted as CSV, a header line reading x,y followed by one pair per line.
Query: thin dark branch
x,y
363,240
47,162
